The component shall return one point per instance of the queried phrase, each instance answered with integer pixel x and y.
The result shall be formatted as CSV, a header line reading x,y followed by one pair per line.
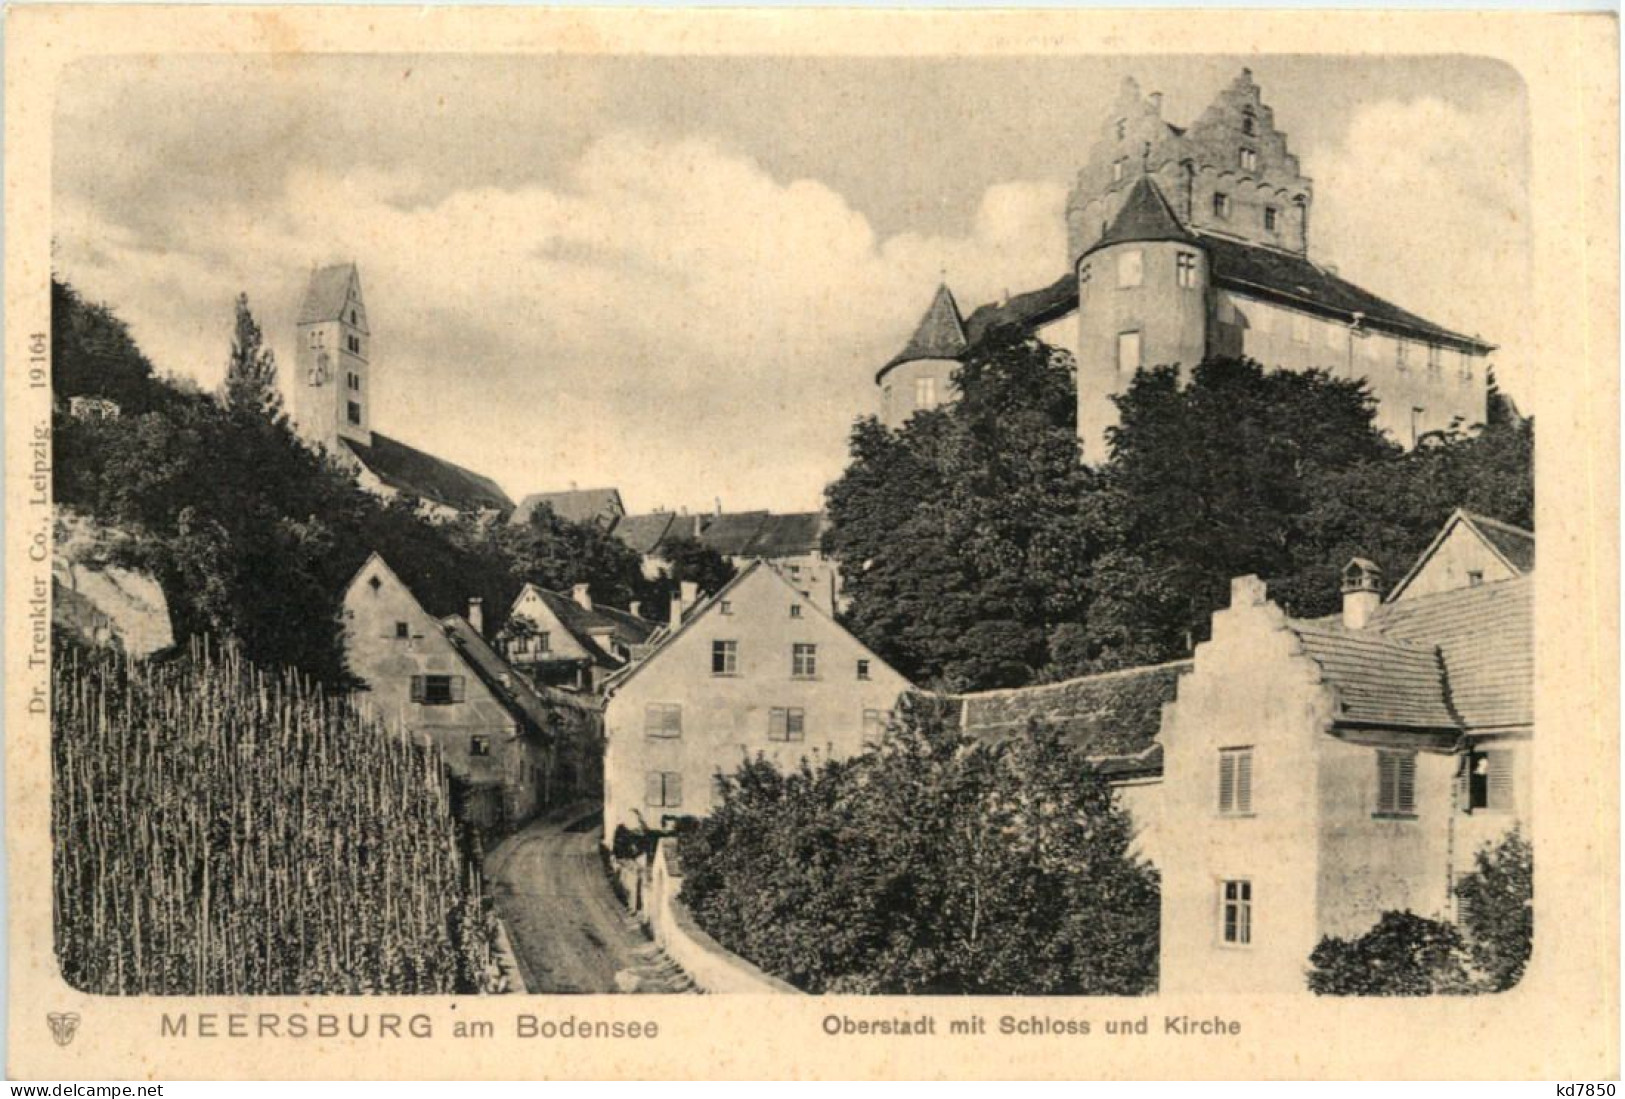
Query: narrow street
x,y
569,931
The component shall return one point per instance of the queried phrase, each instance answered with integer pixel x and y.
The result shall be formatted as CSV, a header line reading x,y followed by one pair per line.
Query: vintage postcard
x,y
813,544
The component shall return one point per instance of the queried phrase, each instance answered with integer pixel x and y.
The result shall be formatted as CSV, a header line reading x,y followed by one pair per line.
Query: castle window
x,y
1236,902
1270,216
353,411
1185,268
1128,351
1249,122
1236,782
1249,160
663,720
1130,269
354,380
925,393
1396,784
353,343
1221,205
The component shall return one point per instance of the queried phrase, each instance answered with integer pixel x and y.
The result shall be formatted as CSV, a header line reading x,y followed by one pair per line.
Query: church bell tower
x,y
332,391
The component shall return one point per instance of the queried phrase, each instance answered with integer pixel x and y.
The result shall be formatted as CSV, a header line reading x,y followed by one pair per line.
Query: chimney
x,y
476,614
691,593
676,621
635,608
582,596
1362,592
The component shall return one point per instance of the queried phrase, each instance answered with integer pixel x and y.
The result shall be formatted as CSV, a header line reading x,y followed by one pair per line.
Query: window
x,y
925,393
795,572
353,343
795,610
875,723
1236,781
1121,126
1185,269
663,720
1128,351
1300,328
479,745
1396,783
1117,169
1435,360
1489,781
787,723
354,379
1249,159
803,661
544,642
354,412
663,789
1083,277
1270,216
352,316
1249,122
863,669
437,690
724,658
1221,205
1130,269
1475,578
1236,902
521,645
725,607
402,630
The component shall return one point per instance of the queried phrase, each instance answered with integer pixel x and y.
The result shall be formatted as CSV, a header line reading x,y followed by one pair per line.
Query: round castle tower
x,y
921,375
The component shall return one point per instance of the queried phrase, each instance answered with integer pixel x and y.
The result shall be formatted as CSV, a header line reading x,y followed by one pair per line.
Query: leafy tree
x,y
1403,955
93,354
689,560
251,370
934,864
972,526
1498,900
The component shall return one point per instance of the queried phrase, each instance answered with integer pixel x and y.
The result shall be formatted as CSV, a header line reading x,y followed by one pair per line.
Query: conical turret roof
x,y
940,335
1145,216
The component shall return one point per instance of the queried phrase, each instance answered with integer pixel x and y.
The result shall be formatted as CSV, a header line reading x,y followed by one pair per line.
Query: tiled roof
x,y
586,505
1295,280
732,533
1030,310
1114,717
940,334
787,535
529,703
643,533
1486,638
1513,543
1379,680
413,471
324,298
1144,216
627,629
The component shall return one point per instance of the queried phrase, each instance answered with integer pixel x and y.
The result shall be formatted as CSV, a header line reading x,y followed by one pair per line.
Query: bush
x,y
1497,900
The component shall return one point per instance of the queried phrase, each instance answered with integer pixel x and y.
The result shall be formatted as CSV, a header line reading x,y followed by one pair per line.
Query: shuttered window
x,y
1236,781
1396,783
787,723
1489,781
663,789
437,690
663,719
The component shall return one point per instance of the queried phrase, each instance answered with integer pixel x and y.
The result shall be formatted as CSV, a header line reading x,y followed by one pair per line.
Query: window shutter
x,y
1500,776
417,688
778,724
1464,783
654,789
1227,782
456,688
674,790
1244,782
1405,783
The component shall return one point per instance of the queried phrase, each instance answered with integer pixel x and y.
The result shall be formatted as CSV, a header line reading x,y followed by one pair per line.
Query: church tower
x,y
332,395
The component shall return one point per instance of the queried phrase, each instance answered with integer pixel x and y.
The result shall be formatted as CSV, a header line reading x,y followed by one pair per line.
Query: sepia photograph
x,y
1020,529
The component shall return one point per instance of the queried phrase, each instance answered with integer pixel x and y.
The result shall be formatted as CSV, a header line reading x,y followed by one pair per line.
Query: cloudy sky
x,y
679,276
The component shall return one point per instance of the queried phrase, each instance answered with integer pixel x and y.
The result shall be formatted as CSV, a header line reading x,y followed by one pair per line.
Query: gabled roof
x,y
1144,216
788,535
1514,546
643,534
327,293
407,469
1030,310
586,505
628,629
526,701
1114,718
939,335
1485,637
1378,680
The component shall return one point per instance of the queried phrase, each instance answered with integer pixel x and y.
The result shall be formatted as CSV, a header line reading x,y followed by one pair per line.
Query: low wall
x,y
707,963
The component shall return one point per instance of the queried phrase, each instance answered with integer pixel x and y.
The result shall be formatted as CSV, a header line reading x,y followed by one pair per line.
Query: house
x,y
594,506
1186,242
1324,771
511,747
758,668
569,640
332,406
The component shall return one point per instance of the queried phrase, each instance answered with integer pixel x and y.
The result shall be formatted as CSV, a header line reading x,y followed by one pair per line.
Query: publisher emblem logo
x,y
64,1025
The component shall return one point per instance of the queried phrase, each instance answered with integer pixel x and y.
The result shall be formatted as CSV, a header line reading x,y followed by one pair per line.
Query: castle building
x,y
333,398
1190,242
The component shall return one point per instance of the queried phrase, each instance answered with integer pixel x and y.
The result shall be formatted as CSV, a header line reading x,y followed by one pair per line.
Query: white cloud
x,y
673,319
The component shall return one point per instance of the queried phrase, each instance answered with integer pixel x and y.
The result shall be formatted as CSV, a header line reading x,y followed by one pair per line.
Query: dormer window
x,y
1249,160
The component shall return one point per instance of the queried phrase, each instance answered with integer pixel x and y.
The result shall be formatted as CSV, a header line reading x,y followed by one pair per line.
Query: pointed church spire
x,y
941,332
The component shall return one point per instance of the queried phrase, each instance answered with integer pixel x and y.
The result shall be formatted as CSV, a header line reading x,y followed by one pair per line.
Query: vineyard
x,y
218,829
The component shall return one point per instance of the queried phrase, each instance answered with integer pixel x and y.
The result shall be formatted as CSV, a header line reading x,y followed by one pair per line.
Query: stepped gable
x,y
1114,717
417,473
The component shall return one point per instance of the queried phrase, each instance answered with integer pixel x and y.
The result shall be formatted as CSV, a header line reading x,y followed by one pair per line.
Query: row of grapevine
x,y
218,829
